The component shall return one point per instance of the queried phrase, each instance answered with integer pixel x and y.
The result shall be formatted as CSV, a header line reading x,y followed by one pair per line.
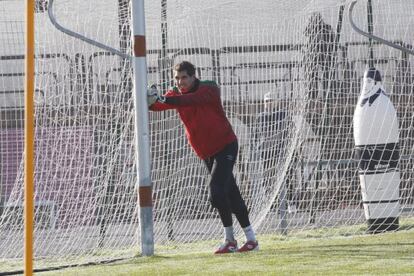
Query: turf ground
x,y
381,254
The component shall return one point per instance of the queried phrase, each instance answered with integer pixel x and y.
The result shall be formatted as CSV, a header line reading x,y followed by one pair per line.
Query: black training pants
x,y
224,192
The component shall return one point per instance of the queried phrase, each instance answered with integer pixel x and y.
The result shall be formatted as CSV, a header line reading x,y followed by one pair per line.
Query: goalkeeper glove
x,y
152,95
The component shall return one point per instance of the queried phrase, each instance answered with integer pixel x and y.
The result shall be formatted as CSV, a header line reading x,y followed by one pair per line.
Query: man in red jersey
x,y
212,138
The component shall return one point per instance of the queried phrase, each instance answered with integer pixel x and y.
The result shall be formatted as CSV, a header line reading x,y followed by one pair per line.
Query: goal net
x,y
290,76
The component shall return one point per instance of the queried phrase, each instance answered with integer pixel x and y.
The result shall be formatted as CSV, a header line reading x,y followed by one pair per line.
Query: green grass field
x,y
381,254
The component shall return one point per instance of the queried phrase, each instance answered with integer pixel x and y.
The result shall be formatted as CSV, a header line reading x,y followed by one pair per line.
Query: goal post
x,y
142,128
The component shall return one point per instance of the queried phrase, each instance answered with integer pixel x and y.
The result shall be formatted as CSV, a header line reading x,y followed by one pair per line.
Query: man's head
x,y
184,75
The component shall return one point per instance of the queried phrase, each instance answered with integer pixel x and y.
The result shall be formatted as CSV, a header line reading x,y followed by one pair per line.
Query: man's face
x,y
183,81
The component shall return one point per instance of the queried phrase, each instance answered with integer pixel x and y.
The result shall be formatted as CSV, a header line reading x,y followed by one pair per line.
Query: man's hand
x,y
152,95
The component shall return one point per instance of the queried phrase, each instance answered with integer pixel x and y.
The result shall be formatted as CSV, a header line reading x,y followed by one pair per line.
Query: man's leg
x,y
219,201
218,197
238,206
233,195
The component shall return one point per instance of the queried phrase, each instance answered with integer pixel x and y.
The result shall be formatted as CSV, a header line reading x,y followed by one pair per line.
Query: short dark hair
x,y
185,66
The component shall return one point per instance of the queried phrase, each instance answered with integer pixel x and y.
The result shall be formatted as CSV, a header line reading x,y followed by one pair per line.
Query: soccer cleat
x,y
249,246
227,247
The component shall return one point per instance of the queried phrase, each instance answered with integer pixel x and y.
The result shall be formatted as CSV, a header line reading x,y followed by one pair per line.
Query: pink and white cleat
x,y
249,246
227,247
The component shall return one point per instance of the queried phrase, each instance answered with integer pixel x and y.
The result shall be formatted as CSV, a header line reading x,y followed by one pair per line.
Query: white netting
x,y
86,199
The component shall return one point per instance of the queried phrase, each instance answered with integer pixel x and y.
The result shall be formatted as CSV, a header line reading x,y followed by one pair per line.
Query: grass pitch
x,y
381,254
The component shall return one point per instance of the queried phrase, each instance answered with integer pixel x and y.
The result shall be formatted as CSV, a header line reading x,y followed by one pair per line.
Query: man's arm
x,y
200,97
159,104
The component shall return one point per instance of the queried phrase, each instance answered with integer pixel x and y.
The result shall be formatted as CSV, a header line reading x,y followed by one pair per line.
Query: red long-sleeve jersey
x,y
206,125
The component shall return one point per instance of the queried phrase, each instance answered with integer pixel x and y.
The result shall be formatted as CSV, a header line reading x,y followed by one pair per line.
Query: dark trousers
x,y
224,193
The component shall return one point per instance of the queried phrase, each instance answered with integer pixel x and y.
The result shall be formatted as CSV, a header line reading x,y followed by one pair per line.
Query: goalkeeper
x,y
212,138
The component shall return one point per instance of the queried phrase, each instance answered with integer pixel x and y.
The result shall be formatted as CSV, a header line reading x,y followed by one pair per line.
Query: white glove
x,y
152,95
